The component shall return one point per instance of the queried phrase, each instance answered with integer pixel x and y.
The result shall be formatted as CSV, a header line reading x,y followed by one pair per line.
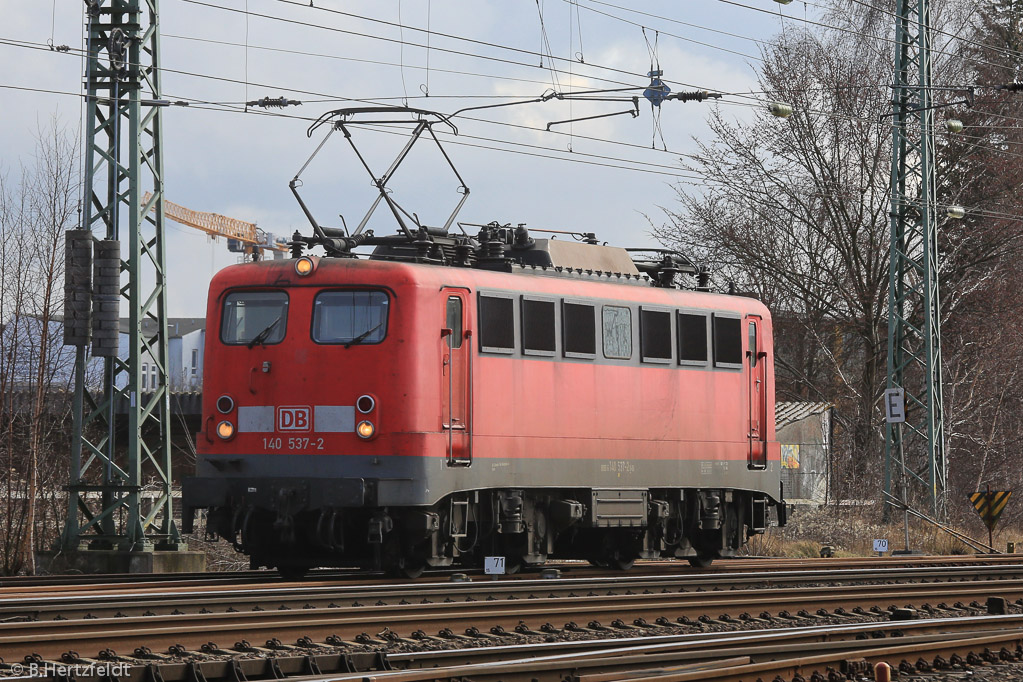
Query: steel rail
x,y
727,655
652,567
282,594
52,638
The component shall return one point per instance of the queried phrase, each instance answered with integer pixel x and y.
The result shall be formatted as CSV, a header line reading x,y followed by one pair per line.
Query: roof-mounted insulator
x,y
954,125
522,238
493,244
955,212
273,103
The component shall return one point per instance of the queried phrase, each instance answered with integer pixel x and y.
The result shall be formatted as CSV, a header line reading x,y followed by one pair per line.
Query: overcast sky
x,y
239,164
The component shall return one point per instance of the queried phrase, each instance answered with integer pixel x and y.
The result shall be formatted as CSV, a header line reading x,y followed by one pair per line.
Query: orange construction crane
x,y
242,237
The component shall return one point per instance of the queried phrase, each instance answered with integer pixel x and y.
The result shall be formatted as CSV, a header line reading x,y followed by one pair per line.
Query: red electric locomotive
x,y
453,397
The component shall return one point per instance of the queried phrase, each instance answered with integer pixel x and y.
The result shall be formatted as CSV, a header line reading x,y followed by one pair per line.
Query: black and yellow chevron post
x,y
990,504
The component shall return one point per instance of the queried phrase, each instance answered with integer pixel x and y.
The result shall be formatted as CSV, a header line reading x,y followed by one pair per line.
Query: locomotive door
x,y
456,376
756,361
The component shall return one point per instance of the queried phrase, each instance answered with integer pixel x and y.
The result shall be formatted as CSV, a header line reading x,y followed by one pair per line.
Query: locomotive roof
x,y
547,281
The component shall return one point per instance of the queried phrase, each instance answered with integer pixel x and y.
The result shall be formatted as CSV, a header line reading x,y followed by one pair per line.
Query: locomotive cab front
x,y
306,398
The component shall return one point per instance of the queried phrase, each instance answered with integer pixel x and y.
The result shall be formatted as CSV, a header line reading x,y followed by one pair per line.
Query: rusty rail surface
x,y
556,607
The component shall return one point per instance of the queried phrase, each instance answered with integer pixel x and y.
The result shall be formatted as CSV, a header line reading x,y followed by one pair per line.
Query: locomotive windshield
x,y
260,316
350,317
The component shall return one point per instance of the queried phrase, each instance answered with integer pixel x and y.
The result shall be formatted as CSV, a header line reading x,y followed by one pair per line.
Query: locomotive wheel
x,y
407,567
292,573
622,564
701,561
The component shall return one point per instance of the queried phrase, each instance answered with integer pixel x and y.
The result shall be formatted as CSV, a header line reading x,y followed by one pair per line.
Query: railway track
x,y
388,615
821,653
143,581
31,605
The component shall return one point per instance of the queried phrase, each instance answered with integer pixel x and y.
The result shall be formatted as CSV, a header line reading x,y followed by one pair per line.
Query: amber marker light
x,y
365,429
304,266
225,430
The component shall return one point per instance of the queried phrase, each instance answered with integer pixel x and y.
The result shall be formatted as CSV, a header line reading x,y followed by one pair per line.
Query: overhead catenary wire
x,y
451,35
376,100
463,53
497,123
757,102
606,161
687,178
519,50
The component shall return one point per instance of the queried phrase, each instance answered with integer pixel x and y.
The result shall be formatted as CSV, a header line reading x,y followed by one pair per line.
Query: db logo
x,y
294,419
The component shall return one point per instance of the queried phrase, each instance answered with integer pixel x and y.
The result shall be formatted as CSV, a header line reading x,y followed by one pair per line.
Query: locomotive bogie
x,y
409,415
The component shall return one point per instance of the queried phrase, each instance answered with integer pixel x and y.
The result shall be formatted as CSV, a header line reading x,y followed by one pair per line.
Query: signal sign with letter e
x,y
894,405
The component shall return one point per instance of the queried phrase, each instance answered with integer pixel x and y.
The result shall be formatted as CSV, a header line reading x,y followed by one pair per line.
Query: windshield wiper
x,y
263,335
362,337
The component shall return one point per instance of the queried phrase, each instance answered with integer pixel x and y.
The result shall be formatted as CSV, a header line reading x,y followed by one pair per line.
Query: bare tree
x,y
796,212
34,214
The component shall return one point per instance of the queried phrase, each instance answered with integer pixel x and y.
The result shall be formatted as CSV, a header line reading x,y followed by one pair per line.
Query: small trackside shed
x,y
804,430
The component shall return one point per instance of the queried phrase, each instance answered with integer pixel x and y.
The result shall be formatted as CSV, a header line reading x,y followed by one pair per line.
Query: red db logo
x,y
293,419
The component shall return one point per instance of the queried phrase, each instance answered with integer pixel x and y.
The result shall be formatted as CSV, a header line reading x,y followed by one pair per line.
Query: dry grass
x,y
852,531
220,555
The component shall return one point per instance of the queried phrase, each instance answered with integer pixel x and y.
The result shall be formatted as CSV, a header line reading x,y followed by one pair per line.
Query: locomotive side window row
x,y
694,338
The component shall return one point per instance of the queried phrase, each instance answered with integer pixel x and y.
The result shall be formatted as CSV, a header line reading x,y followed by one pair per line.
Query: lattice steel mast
x,y
122,440
915,450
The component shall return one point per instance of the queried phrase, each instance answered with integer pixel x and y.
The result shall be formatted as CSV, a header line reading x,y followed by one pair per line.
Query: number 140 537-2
x,y
292,443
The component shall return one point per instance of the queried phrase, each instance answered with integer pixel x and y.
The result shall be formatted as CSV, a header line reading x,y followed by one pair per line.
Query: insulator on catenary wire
x,y
106,299
695,96
77,287
780,109
273,103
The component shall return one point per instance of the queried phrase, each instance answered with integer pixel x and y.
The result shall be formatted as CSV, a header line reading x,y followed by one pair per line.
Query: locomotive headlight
x,y
365,404
225,404
365,429
225,430
305,266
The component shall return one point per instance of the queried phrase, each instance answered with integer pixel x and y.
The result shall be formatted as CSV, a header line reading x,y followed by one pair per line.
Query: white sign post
x,y
493,565
895,405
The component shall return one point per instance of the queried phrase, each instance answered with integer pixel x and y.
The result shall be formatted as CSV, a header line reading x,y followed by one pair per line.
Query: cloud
x,y
240,165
